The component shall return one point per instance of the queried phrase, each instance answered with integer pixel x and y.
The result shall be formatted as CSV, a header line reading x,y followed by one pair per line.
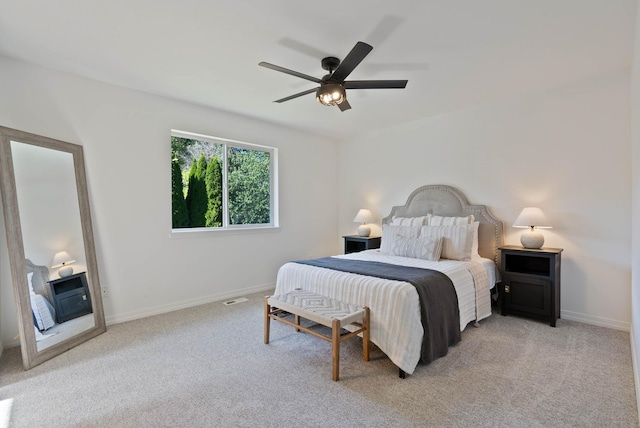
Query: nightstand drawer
x,y
73,304
527,294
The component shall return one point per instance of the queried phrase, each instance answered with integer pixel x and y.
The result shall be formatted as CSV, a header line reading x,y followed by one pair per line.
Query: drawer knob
x,y
507,289
84,297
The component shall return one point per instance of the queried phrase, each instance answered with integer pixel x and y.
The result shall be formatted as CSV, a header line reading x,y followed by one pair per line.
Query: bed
x,y
44,314
398,314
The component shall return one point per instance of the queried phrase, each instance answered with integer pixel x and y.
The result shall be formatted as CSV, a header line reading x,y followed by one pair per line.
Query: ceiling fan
x,y
332,86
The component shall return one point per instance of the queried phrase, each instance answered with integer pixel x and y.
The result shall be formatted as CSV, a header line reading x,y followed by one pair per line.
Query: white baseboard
x,y
134,315
602,322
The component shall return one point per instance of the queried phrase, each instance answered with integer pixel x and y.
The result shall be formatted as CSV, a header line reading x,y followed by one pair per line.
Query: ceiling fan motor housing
x,y
330,63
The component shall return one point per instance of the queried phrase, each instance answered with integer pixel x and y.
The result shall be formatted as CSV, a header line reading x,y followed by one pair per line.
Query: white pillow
x,y
457,240
29,280
436,220
389,233
474,246
417,248
410,221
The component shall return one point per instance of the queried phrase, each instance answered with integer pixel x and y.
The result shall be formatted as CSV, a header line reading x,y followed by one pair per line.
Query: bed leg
x,y
401,374
476,324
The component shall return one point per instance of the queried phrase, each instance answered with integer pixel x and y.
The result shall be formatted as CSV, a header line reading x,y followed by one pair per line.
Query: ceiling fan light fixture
x,y
332,90
331,94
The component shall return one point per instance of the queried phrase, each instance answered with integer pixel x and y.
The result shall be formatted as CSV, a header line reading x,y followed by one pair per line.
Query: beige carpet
x,y
207,367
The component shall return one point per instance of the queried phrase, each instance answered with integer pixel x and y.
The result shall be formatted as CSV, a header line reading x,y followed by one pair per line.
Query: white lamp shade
x,y
363,216
61,259
532,217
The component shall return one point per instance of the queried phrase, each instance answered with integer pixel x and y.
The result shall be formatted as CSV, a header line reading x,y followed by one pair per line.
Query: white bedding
x,y
395,309
42,312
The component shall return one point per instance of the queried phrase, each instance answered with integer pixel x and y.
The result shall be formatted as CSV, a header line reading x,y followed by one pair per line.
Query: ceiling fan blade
x,y
290,97
287,71
351,61
344,105
375,84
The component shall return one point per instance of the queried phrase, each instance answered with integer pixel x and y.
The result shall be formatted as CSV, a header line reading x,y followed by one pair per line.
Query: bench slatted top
x,y
317,308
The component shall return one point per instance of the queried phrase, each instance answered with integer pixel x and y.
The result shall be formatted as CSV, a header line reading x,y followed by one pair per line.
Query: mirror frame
x,y
30,355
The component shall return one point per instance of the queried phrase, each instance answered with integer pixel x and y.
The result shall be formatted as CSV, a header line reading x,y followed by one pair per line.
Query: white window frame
x,y
273,187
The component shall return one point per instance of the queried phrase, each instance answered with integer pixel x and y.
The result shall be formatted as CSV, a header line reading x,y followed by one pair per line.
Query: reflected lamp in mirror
x,y
531,218
62,260
363,217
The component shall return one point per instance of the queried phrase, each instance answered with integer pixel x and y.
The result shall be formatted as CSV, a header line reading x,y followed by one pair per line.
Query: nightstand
x,y
71,297
355,243
531,282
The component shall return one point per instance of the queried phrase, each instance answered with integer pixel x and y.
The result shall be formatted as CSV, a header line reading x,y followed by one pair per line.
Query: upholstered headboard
x,y
443,200
40,279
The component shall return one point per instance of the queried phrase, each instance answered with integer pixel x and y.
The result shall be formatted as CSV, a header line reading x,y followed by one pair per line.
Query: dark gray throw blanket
x,y
438,299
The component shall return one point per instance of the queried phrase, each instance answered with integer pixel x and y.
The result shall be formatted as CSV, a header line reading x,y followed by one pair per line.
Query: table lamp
x,y
532,217
62,260
364,217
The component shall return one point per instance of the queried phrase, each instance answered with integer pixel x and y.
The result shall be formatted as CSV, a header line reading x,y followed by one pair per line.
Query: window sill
x,y
201,232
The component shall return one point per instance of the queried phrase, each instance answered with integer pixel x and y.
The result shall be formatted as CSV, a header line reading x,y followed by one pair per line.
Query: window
x,y
221,184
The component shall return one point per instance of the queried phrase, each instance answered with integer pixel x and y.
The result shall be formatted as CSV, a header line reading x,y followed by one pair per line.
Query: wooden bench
x,y
322,310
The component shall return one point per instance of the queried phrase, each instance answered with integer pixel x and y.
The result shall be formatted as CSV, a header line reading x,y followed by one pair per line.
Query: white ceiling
x,y
455,54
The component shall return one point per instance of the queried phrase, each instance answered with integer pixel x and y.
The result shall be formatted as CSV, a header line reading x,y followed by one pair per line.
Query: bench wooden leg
x,y
336,338
365,335
335,348
267,319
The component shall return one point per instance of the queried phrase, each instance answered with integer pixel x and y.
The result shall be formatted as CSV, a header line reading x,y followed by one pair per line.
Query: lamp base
x,y
532,240
65,271
364,230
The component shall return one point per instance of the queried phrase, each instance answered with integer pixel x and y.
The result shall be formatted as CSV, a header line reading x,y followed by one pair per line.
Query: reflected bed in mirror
x,y
50,243
61,307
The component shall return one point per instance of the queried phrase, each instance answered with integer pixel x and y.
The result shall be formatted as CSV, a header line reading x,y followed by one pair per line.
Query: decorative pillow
x,y
389,233
474,246
436,220
410,221
457,240
417,248
29,280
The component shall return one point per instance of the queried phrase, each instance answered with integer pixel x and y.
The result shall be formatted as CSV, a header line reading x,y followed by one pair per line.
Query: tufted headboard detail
x,y
443,200
40,279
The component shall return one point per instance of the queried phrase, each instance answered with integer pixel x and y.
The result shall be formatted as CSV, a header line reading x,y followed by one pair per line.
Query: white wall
x,y
565,150
126,139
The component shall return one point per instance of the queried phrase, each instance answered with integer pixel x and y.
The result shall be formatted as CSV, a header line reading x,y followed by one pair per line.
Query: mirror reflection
x,y
50,241
53,243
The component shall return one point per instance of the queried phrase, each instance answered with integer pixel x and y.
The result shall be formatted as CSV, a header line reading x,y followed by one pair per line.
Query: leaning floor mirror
x,y
50,243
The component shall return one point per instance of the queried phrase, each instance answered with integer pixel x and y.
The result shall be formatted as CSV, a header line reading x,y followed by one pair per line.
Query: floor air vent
x,y
235,301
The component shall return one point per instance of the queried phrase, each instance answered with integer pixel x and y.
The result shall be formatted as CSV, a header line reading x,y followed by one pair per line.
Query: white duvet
x,y
42,316
395,309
